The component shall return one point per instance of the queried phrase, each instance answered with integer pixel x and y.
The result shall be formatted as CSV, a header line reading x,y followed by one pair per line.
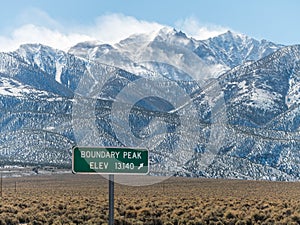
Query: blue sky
x,y
62,23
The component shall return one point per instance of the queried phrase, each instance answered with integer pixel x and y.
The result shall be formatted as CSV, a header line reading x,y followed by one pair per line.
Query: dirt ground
x,y
83,199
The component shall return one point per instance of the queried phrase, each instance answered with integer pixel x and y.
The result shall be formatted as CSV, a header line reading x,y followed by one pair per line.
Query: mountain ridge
x,y
240,89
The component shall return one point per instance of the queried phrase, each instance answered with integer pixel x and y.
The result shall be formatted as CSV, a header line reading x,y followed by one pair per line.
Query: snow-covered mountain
x,y
233,49
216,54
223,107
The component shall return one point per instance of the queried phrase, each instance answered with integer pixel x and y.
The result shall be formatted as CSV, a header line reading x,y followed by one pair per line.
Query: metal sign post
x,y
111,199
110,160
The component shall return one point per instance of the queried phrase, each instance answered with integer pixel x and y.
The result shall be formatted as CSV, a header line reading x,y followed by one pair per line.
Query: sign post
x,y
110,160
111,200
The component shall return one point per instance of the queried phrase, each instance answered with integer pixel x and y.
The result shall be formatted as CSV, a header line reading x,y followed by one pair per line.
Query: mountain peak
x,y
174,37
166,35
231,35
168,32
35,47
31,52
87,44
233,49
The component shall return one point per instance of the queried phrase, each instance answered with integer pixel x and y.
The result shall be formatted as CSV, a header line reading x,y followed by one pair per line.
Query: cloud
x,y
110,28
37,17
37,34
192,27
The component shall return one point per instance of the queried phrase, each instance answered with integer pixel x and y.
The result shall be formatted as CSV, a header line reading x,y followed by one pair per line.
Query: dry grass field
x,y
83,199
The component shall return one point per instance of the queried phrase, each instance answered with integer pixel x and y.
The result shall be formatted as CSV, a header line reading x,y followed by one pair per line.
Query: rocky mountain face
x,y
223,107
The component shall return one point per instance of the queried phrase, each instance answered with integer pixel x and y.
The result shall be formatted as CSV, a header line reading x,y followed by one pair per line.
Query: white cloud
x,y
36,34
192,27
37,17
109,28
112,28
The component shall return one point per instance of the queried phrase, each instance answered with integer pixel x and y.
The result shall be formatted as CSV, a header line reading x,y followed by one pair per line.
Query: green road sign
x,y
110,160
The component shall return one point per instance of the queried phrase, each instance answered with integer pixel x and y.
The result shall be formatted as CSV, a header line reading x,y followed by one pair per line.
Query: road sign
x,y
110,160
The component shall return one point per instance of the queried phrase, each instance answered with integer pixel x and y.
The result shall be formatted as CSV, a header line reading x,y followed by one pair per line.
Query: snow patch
x,y
59,68
263,99
293,94
244,88
11,88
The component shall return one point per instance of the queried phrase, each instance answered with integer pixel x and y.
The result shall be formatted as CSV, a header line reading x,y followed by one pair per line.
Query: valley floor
x,y
83,199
